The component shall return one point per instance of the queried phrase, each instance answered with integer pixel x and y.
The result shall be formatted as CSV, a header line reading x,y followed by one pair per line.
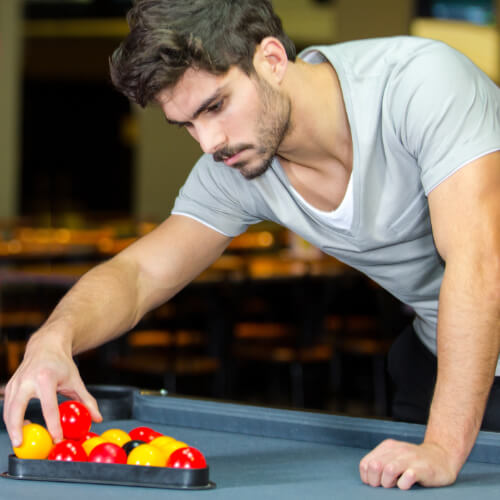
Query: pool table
x,y
261,453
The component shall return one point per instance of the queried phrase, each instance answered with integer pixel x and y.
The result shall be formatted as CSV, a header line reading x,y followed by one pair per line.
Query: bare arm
x,y
465,214
466,217
107,301
141,277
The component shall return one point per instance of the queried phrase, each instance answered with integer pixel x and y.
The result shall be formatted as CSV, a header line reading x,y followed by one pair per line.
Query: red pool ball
x,y
75,420
108,453
88,435
143,434
68,451
187,458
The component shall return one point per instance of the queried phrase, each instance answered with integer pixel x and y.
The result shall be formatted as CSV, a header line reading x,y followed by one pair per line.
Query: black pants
x,y
413,368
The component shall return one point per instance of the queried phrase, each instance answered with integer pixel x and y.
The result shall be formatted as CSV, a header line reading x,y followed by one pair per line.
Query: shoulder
x,y
218,181
219,197
210,175
436,71
435,78
375,55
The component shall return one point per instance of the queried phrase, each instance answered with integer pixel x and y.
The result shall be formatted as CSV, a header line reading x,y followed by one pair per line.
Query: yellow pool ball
x,y
169,448
148,455
37,443
162,441
91,443
116,436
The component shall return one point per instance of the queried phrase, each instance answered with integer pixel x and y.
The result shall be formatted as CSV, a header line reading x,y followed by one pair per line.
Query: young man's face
x,y
240,120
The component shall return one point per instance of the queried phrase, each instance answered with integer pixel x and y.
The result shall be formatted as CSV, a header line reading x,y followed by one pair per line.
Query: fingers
x,y
375,470
78,391
34,379
89,401
375,473
47,387
389,465
16,401
396,463
391,474
388,476
50,406
407,479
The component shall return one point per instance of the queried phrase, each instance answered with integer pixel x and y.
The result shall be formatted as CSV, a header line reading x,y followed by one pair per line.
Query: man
x,y
383,153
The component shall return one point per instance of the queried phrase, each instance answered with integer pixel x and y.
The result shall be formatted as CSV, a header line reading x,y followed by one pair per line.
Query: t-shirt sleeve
x,y
447,111
214,196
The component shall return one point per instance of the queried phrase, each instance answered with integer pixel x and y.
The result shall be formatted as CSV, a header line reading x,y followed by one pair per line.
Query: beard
x,y
273,126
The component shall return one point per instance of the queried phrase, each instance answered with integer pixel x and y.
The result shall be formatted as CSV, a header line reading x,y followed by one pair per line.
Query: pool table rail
x,y
291,424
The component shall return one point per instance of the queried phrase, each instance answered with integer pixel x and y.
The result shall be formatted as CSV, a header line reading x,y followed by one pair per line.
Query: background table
x,y
265,453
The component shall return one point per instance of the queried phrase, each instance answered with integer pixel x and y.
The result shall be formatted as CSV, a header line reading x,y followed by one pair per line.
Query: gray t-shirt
x,y
418,112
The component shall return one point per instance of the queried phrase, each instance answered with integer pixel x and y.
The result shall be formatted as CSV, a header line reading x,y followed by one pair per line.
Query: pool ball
x,y
162,441
68,451
37,443
91,443
169,448
143,434
148,455
187,458
116,436
88,436
75,420
130,445
108,453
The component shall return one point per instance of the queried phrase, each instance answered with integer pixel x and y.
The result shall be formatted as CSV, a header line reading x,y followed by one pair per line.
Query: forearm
x,y
102,305
468,347
111,298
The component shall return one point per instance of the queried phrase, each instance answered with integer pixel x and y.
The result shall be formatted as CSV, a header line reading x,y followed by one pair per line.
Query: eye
x,y
184,125
214,108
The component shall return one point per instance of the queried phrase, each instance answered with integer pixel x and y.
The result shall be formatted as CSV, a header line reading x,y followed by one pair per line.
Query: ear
x,y
270,59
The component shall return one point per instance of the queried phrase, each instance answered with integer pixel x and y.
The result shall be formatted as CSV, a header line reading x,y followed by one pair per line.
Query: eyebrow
x,y
203,107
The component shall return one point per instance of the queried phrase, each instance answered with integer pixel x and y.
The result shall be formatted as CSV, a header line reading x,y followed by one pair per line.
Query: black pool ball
x,y
130,445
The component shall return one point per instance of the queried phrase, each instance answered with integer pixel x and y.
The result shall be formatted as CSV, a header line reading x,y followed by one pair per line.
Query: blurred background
x,y
83,173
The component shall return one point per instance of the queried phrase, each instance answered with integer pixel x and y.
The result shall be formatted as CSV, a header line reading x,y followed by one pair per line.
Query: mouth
x,y
231,160
231,156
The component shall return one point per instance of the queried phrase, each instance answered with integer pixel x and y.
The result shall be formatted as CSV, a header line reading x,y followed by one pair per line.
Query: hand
x,y
45,370
396,463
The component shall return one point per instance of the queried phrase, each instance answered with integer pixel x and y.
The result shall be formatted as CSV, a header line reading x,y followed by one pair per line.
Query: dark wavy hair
x,y
169,36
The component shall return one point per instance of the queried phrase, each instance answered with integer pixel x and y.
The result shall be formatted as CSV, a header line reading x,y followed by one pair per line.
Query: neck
x,y
320,136
317,153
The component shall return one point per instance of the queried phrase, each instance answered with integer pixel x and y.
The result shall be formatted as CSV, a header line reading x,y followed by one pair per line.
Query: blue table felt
x,y
259,453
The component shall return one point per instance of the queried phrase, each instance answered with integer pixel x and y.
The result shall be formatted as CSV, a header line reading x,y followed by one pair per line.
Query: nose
x,y
211,137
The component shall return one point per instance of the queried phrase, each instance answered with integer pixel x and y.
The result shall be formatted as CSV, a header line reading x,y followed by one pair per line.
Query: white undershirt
x,y
341,217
